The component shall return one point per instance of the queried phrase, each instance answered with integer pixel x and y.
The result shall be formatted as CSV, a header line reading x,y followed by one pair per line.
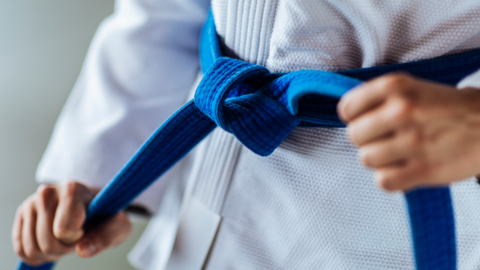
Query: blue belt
x,y
261,109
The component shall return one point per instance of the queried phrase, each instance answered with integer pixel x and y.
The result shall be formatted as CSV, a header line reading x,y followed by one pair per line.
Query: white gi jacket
x,y
311,204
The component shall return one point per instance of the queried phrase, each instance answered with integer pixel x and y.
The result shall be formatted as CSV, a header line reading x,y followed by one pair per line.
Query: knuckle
x,y
73,188
45,195
396,81
68,228
402,110
31,252
49,248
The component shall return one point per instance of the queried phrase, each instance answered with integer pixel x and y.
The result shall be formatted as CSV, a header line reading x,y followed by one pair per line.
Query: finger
x,y
46,203
112,233
29,238
17,239
373,125
394,149
404,176
17,234
358,100
370,94
71,212
392,177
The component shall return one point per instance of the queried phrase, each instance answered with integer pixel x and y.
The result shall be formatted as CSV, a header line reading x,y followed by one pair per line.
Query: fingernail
x,y
88,247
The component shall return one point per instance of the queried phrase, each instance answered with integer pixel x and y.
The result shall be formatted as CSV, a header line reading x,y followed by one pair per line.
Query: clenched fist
x,y
414,132
48,225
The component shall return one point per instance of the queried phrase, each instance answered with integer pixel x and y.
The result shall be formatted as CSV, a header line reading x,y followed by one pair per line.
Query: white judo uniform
x,y
311,204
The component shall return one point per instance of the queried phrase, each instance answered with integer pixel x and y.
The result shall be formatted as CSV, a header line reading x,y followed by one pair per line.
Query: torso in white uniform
x,y
311,204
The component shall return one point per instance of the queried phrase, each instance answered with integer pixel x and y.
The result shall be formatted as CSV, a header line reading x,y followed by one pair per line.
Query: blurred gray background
x,y
42,46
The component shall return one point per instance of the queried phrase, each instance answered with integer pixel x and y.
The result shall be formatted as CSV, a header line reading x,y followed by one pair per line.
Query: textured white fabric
x,y
310,205
334,35
138,71
471,81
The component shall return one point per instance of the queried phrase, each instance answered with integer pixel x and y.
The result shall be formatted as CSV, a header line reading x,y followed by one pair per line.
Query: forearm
x,y
139,69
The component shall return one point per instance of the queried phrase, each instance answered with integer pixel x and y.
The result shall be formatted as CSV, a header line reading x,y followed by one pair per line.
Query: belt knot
x,y
231,95
261,108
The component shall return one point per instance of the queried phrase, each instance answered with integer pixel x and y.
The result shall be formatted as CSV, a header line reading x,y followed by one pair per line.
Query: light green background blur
x,y
42,47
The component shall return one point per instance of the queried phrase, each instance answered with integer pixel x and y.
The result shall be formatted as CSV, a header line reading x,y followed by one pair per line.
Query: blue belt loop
x,y
261,109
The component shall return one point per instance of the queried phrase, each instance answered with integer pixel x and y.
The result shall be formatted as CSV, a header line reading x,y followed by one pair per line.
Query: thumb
x,y
71,211
109,234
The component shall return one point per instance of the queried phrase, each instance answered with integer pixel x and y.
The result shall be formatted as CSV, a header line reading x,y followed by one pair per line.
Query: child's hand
x,y
414,132
48,225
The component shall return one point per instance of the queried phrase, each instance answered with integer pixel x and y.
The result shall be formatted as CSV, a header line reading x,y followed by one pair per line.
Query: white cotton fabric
x,y
470,81
334,35
310,205
138,71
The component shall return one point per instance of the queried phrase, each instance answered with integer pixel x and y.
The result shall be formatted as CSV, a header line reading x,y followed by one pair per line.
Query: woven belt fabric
x,y
261,109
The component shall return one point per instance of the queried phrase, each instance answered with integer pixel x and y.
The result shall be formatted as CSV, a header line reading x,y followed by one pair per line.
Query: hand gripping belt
x,y
261,109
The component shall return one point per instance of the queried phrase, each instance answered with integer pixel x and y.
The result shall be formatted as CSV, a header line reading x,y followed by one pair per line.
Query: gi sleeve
x,y
139,69
473,80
